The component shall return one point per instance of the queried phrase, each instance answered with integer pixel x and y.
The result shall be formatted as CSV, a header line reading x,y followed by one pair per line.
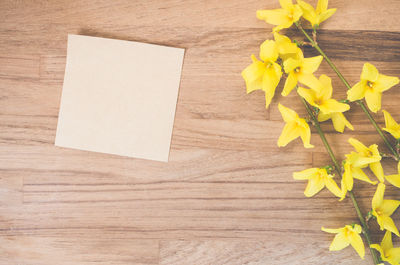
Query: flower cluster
x,y
282,58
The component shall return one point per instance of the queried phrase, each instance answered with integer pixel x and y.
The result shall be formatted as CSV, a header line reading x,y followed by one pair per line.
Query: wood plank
x,y
68,250
252,252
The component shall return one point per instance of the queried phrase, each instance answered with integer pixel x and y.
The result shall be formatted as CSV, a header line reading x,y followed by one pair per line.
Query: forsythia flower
x,y
318,15
387,251
345,236
283,17
338,119
383,209
395,179
301,70
320,96
392,126
368,156
295,127
318,178
351,171
264,75
371,86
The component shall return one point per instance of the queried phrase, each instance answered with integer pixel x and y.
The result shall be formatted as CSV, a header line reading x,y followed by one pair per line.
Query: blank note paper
x,y
119,97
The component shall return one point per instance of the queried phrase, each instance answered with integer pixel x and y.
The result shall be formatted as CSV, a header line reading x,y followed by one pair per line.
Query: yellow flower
x,y
371,86
351,171
301,70
295,127
318,178
320,96
387,251
264,75
392,126
345,236
394,179
283,17
368,156
318,15
338,119
383,209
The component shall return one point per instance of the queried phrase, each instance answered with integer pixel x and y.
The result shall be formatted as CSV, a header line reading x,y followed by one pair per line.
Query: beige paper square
x,y
119,97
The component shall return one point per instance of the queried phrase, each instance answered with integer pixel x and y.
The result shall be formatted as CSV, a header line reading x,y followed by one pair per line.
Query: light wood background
x,y
227,195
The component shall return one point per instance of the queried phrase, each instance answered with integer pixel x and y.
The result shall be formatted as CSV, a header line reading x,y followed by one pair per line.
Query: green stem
x,y
338,170
361,103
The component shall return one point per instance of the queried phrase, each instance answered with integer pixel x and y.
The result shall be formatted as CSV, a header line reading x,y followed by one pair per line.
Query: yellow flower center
x,y
297,69
378,212
368,153
318,101
370,84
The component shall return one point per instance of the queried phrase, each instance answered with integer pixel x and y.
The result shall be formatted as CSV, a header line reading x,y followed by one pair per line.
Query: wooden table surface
x,y
227,195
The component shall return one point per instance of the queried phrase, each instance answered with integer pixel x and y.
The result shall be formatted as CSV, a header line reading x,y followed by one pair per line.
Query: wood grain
x,y
227,195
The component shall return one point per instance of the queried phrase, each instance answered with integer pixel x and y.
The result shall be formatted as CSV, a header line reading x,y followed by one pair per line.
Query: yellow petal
x,y
315,185
357,243
284,44
297,13
360,147
275,17
308,94
393,256
392,126
394,180
389,206
253,74
358,173
325,15
289,133
324,117
339,242
310,65
326,91
343,189
377,200
271,78
377,169
369,72
348,176
305,135
385,82
322,6
380,250
288,115
290,64
333,187
286,4
357,91
387,242
331,106
389,121
306,174
290,83
339,122
387,223
308,12
268,51
373,100
308,79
